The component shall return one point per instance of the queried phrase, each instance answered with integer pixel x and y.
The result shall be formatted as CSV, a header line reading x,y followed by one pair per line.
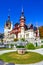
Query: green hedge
x,y
30,46
41,46
41,41
12,45
20,47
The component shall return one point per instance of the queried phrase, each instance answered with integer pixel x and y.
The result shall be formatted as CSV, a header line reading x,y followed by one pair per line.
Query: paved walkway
x,y
39,63
40,51
6,51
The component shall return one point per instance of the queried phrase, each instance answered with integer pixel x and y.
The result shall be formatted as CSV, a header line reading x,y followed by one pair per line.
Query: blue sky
x,y
33,11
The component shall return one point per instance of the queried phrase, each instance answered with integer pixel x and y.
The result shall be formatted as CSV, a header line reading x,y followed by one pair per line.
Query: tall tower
x,y
8,25
22,24
7,28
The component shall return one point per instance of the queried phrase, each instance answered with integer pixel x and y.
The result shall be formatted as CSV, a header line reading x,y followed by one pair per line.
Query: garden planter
x,y
21,50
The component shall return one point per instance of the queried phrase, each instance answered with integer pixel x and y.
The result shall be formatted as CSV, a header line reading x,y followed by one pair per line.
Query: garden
x,y
21,56
27,58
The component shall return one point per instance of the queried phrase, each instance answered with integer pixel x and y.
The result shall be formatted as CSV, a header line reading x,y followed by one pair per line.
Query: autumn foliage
x,y
41,31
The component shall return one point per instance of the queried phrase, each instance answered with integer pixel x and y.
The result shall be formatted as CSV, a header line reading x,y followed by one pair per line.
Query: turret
x,y
22,19
7,28
22,24
8,24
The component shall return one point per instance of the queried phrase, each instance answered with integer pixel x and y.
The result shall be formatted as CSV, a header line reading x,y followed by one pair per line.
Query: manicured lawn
x,y
27,58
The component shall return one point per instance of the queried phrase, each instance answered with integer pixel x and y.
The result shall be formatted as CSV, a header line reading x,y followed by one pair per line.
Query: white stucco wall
x,y
19,35
29,34
22,34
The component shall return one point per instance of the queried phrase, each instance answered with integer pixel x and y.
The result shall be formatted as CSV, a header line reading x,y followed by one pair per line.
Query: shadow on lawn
x,y
3,63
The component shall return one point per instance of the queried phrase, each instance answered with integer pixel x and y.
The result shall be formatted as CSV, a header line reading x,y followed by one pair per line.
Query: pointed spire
x,y
22,14
22,11
9,14
8,17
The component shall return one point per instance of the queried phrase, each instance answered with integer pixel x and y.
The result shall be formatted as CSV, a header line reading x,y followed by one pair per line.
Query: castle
x,y
20,30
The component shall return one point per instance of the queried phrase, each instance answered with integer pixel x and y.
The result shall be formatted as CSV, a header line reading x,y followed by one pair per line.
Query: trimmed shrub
x,y
12,45
20,47
16,39
41,46
36,44
22,39
30,46
7,46
41,41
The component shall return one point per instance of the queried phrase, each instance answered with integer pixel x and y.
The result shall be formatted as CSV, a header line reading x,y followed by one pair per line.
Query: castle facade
x,y
20,30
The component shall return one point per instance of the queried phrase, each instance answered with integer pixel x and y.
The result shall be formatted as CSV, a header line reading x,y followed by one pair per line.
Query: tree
x,y
41,32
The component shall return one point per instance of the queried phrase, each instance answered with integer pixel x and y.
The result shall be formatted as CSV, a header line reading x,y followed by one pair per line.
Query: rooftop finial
x,y
22,9
22,14
9,14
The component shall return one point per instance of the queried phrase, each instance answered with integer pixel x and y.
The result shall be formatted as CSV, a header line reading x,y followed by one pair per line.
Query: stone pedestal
x,y
21,50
